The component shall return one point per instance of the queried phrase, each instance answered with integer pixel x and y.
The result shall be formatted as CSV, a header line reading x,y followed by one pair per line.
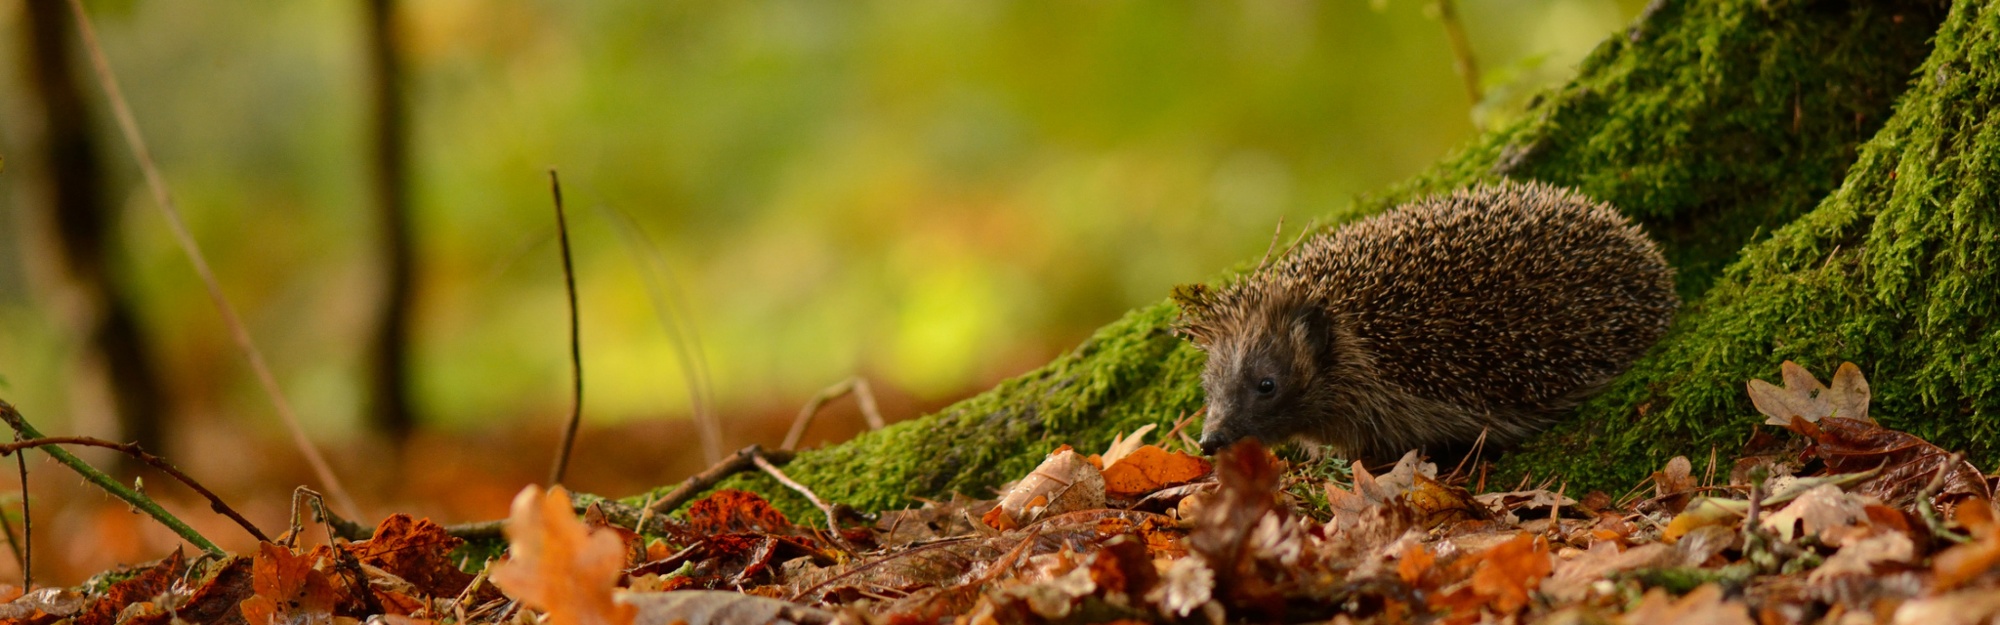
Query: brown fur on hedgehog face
x,y
1259,379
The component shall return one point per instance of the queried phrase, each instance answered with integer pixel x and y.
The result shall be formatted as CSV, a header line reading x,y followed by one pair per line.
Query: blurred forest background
x,y
931,195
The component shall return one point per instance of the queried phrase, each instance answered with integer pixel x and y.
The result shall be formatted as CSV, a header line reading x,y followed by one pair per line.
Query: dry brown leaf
x,y
1859,557
1803,396
288,589
558,565
1064,482
1704,606
1819,510
719,607
1122,446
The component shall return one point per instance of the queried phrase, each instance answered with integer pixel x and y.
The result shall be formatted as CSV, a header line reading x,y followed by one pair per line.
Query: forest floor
x,y
1823,517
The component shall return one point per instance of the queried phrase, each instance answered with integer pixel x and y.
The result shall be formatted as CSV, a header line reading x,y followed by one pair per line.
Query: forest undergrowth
x,y
1824,516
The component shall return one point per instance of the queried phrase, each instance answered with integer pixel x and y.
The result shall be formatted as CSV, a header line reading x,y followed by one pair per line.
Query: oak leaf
x,y
558,565
1803,396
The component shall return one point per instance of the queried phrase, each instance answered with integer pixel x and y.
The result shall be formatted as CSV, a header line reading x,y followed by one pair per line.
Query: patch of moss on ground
x,y
1897,271
1710,121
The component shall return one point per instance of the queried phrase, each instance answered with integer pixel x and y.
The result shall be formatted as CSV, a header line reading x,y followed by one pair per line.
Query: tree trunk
x,y
1897,271
1713,122
86,224
389,411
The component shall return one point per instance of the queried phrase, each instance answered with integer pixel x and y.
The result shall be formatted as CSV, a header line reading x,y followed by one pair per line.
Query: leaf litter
x,y
1851,523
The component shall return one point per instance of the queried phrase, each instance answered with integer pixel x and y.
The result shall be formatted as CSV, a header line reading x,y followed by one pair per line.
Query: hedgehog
x,y
1487,313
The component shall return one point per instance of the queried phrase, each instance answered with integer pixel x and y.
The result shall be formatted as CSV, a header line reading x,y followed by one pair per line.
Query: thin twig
x,y
669,304
863,395
575,349
25,430
1929,511
695,484
1461,49
129,125
832,524
137,453
1275,233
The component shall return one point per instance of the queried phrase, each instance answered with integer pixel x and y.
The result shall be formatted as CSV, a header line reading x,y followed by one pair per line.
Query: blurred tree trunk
x,y
86,224
389,410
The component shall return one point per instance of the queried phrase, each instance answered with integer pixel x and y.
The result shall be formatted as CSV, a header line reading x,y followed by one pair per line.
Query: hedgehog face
x,y
1258,379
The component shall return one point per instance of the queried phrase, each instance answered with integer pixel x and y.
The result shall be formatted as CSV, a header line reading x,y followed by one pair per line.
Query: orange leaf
x,y
1509,570
1150,468
558,565
1415,561
287,588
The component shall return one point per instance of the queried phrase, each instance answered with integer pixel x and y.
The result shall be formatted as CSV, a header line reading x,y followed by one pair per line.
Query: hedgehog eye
x,y
1266,385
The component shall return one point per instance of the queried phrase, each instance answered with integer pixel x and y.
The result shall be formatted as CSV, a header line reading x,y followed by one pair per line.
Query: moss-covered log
x,y
1897,271
1710,121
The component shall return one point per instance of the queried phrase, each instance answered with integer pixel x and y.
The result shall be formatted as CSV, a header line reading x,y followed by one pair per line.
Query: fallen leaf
x,y
1816,512
1907,463
1507,572
44,605
558,565
718,607
1859,557
731,511
1122,446
1704,512
1064,482
418,551
154,580
287,589
1704,606
1962,563
1804,397
1150,468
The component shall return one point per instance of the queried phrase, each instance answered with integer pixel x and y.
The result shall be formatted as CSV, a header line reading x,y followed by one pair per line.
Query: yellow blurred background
x,y
932,195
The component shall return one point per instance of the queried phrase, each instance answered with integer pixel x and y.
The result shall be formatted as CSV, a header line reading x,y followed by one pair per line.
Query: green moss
x,y
1895,271
1711,121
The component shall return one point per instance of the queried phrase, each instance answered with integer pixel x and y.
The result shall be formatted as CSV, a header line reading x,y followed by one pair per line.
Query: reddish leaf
x,y
287,589
142,587
417,550
1908,463
731,511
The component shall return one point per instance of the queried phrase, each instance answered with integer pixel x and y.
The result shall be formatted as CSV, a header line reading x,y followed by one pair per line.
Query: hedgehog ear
x,y
1312,326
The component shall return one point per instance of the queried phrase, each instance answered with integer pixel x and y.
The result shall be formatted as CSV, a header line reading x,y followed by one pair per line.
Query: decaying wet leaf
x,y
558,565
1803,396
416,550
1907,463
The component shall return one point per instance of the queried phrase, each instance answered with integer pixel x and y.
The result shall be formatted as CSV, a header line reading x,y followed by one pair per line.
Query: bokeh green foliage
x,y
1697,122
936,194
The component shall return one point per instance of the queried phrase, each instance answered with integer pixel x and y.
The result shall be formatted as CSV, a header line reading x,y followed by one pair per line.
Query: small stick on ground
x,y
695,484
575,350
133,450
863,395
1930,512
129,126
832,523
23,429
